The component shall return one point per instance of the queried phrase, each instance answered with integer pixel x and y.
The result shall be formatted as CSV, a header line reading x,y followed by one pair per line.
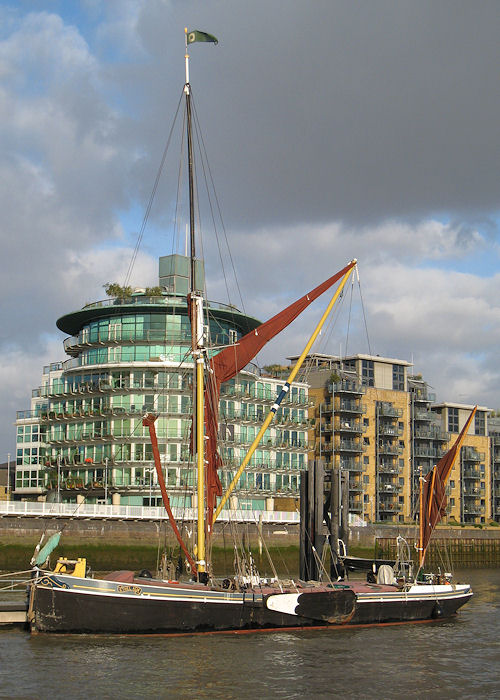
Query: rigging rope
x,y
151,199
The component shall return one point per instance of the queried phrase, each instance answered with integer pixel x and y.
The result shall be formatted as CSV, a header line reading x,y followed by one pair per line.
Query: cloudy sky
x,y
334,129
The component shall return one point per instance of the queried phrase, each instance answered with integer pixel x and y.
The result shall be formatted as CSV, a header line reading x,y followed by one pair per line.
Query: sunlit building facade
x,y
381,425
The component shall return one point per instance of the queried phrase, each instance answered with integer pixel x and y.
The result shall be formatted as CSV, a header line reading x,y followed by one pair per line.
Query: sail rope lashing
x,y
151,198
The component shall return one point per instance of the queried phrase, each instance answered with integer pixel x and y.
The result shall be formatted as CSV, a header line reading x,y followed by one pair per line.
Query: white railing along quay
x,y
110,512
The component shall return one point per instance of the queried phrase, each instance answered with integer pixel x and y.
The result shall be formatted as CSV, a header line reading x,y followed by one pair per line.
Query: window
x,y
452,483
398,377
453,420
367,373
479,423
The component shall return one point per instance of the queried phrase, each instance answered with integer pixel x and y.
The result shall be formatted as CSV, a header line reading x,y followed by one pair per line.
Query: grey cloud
x,y
348,111
313,113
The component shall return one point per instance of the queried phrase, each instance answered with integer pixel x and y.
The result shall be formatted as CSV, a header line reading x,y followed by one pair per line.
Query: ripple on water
x,y
454,658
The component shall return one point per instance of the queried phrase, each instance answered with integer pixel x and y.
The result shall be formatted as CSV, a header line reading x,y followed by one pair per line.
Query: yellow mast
x,y
200,454
290,379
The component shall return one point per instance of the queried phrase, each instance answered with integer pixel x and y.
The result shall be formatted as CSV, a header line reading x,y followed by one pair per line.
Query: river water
x,y
456,658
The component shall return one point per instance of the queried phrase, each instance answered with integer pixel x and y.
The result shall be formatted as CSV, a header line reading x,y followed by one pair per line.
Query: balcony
x,y
342,445
388,449
473,492
347,387
388,486
473,510
390,430
350,464
387,507
429,452
389,468
431,434
471,474
348,406
355,505
349,426
470,454
389,411
421,415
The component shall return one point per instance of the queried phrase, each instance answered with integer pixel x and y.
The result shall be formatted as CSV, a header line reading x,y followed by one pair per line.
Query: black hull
x,y
55,609
410,611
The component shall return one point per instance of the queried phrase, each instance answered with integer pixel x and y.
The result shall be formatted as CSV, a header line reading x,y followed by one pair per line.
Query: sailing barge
x,y
67,600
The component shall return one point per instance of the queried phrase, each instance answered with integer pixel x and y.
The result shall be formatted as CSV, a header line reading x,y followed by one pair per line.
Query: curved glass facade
x,y
126,362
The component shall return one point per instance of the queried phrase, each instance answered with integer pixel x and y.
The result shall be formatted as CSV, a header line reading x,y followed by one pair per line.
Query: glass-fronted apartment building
x,y
83,439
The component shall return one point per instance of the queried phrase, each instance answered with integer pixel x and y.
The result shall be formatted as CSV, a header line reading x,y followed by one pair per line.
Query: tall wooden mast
x,y
195,305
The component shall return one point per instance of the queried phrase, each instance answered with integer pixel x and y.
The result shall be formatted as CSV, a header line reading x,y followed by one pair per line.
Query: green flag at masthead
x,y
196,35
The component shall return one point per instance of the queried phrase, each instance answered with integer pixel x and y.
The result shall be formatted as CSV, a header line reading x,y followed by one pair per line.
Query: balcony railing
x,y
389,411
389,468
390,430
385,449
473,492
347,387
348,406
349,426
470,454
431,434
426,451
349,445
349,464
388,486
471,474
387,507
85,511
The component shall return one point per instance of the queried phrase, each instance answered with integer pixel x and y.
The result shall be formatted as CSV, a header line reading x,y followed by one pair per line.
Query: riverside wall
x,y
26,532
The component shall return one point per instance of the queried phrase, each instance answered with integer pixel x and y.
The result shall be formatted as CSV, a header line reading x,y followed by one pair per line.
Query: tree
x,y
113,289
153,291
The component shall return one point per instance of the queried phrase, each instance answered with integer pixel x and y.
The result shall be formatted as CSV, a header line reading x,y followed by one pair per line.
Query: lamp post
x,y
106,481
8,477
58,478
150,471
